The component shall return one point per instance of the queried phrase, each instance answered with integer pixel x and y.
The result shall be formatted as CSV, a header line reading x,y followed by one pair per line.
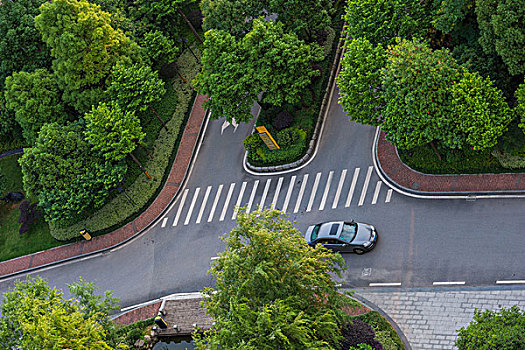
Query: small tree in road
x,y
273,291
501,330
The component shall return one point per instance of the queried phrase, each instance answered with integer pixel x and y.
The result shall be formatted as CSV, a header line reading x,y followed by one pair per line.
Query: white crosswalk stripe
x,y
192,205
352,187
200,199
228,197
314,190
289,193
339,188
265,193
277,191
215,201
326,190
252,196
301,193
239,201
203,205
365,186
181,205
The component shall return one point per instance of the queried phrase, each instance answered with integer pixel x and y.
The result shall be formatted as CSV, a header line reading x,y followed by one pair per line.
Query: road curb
x,y
189,167
467,195
318,131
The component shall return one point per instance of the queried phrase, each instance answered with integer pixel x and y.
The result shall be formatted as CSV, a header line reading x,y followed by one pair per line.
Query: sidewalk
x,y
176,177
408,180
430,317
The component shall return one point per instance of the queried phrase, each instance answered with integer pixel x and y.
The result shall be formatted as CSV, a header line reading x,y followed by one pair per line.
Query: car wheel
x,y
359,251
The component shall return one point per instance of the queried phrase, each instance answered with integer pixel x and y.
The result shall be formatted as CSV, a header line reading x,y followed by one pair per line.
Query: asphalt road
x,y
420,241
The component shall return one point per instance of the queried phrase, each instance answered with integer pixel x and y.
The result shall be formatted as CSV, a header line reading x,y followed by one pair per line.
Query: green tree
x,y
85,48
381,21
479,110
66,174
266,60
273,291
520,108
35,100
21,46
160,48
502,30
502,330
37,317
416,83
9,127
451,13
166,8
359,81
234,17
135,87
113,131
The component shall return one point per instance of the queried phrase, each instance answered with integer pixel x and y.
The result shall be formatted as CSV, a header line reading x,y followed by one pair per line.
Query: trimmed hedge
x,y
119,210
292,143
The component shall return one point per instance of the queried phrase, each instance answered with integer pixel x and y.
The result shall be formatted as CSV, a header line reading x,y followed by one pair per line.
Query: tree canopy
x,y
502,30
135,86
359,81
35,100
479,110
84,46
113,131
35,316
502,330
66,174
265,60
273,291
21,45
382,21
416,83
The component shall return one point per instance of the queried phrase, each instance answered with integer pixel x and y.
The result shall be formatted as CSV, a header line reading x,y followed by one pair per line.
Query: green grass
x,y
12,244
385,333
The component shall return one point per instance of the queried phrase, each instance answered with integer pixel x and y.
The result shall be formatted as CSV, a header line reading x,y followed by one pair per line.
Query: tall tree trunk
x,y
189,25
140,165
435,149
158,117
178,72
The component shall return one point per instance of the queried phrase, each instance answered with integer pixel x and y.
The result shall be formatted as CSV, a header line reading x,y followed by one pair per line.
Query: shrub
x,y
358,332
282,120
508,160
384,332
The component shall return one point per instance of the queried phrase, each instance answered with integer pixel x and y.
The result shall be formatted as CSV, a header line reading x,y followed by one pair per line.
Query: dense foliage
x,y
35,316
235,72
358,332
502,330
35,100
66,174
21,46
359,81
272,290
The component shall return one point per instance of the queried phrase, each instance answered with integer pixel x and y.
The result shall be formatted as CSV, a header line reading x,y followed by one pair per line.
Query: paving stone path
x,y
430,317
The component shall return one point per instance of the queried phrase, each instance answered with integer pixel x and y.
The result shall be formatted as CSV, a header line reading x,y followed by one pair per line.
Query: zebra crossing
x,y
307,192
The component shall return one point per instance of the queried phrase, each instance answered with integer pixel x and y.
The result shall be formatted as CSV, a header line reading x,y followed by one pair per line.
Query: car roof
x,y
330,229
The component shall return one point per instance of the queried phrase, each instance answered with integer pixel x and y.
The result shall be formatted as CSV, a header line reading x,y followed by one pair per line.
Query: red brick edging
x,y
413,181
172,185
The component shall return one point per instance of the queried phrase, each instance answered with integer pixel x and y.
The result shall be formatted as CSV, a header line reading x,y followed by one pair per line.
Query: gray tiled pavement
x,y
430,317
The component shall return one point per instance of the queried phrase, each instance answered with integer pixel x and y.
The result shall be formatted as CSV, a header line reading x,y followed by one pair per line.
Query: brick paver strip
x,y
176,176
408,178
139,314
430,317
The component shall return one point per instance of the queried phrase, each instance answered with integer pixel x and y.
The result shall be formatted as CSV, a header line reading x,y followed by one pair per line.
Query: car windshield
x,y
315,233
349,232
